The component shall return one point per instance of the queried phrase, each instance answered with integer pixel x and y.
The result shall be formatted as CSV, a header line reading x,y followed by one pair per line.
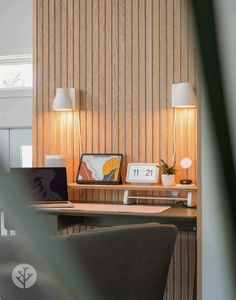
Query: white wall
x,y
15,38
216,268
16,108
15,26
217,280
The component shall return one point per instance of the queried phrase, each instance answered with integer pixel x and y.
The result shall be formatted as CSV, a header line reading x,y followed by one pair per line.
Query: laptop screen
x,y
46,184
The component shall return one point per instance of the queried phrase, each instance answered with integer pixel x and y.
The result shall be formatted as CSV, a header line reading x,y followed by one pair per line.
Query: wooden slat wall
x,y
122,56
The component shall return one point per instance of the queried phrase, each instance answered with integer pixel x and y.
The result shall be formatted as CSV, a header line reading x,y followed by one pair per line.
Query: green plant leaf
x,y
166,169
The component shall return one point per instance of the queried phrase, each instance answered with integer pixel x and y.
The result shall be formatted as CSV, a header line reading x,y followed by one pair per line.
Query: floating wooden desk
x,y
130,199
184,218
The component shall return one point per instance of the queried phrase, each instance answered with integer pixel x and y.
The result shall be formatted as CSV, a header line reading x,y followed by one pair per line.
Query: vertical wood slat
x,y
82,77
128,82
115,83
135,79
70,83
121,85
89,82
76,81
121,80
95,76
102,83
89,75
39,84
123,57
108,82
182,268
82,69
64,43
95,81
45,78
163,85
170,133
35,78
149,82
170,78
51,72
142,81
156,82
65,123
58,74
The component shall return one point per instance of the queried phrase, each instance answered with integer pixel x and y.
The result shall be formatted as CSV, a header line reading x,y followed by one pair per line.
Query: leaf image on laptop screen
x,y
38,189
41,185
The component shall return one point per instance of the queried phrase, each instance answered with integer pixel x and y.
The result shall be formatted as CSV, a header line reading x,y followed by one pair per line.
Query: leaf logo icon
x,y
24,276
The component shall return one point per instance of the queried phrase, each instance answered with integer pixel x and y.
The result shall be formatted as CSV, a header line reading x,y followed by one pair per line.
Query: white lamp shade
x,y
64,99
183,95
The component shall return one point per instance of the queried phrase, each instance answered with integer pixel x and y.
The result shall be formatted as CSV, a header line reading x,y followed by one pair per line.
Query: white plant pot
x,y
168,179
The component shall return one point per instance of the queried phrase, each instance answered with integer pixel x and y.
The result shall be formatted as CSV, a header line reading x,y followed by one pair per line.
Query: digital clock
x,y
142,173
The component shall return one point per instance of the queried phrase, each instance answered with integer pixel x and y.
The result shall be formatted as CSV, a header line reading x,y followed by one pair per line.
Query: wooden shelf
x,y
134,187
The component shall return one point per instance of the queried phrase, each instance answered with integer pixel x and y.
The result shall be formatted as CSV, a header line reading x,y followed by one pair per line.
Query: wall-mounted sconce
x,y
65,100
183,95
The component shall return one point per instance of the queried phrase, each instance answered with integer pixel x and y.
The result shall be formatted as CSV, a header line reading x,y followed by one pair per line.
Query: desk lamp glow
x,y
65,100
183,96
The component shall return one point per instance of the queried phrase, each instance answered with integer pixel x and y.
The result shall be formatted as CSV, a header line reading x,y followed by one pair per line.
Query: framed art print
x,y
100,169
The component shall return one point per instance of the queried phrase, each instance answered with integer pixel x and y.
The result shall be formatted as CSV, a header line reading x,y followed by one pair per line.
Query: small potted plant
x,y
167,173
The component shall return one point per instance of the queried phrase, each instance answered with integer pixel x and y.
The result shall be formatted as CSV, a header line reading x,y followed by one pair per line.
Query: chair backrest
x,y
127,262
123,263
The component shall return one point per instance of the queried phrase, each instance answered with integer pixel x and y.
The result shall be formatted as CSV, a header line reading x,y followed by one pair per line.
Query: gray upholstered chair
x,y
123,263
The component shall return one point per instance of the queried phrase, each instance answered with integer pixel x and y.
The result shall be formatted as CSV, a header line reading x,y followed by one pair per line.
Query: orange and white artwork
x,y
104,168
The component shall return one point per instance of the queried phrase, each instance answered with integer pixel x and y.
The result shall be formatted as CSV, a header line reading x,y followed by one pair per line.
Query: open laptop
x,y
47,185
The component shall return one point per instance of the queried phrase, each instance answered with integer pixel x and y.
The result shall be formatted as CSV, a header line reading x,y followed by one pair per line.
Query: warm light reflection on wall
x,y
62,135
186,139
67,119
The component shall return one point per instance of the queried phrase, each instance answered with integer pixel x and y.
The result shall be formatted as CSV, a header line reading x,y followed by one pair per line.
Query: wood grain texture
x,y
122,57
